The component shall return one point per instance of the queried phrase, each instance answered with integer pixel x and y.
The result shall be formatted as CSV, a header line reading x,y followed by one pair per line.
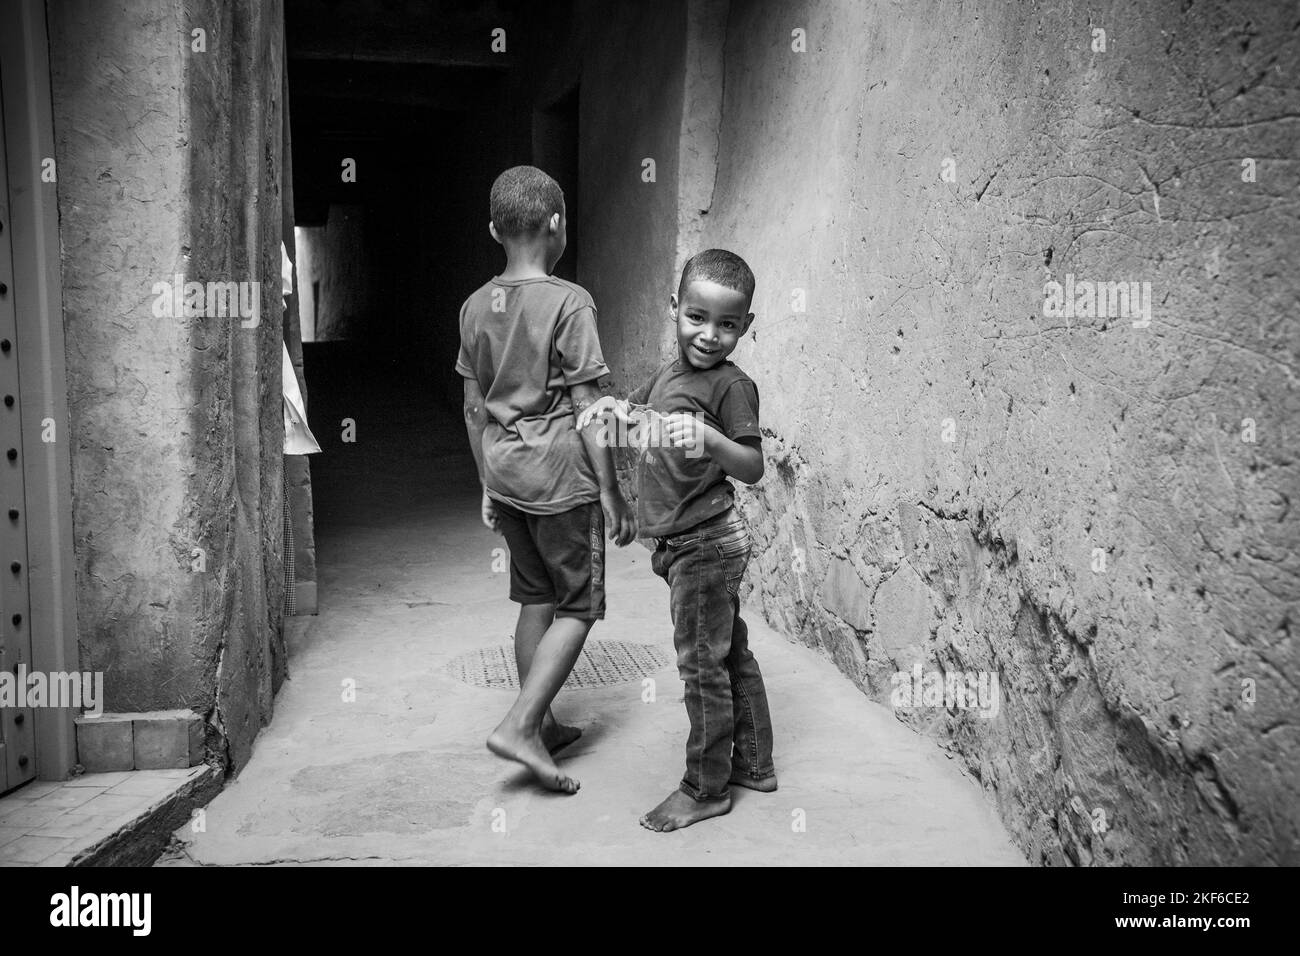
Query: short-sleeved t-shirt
x,y
526,341
676,491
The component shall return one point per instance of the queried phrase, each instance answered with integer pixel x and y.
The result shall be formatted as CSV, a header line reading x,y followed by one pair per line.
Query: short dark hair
x,y
720,266
523,199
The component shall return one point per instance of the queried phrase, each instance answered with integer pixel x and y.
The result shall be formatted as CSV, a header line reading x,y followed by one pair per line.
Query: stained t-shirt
x,y
675,490
526,342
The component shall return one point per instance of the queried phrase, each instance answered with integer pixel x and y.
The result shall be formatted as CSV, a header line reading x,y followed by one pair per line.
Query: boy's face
x,y
711,319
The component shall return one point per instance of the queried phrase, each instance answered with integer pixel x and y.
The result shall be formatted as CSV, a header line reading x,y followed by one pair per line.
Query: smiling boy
x,y
708,432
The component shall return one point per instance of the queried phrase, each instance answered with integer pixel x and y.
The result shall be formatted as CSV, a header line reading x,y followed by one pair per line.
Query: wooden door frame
x,y
38,303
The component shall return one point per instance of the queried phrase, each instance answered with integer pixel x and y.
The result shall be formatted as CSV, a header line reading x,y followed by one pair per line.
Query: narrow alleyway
x,y
400,775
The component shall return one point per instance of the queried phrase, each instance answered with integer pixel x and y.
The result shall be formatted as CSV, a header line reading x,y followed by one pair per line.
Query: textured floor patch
x,y
601,664
400,793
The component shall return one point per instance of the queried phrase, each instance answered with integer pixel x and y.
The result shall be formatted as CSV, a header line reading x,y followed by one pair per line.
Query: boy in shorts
x,y
530,359
703,428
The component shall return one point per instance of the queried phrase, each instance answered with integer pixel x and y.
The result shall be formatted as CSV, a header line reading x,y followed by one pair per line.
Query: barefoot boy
x,y
707,430
530,359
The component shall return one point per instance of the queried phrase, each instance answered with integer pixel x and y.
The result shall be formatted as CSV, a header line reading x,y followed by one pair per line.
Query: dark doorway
x,y
555,149
402,116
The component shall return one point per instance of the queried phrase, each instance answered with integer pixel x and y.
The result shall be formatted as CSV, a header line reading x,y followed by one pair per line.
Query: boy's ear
x,y
492,228
672,307
748,319
554,225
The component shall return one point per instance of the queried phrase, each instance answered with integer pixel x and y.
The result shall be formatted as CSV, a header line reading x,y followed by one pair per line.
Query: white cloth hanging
x,y
298,439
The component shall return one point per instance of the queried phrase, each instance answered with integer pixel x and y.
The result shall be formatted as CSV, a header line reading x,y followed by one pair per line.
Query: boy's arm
x,y
740,457
475,422
598,409
621,407
618,514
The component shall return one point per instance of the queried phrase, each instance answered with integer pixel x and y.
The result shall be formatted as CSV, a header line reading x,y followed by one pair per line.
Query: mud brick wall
x,y
1098,514
169,162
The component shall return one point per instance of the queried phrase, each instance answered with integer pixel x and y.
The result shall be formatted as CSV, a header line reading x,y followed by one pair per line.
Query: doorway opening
x,y
555,149
402,116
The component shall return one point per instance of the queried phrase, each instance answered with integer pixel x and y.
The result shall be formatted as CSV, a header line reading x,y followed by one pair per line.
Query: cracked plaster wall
x,y
169,160
1160,691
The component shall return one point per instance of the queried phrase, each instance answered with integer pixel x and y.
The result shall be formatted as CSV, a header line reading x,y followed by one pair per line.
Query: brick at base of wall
x,y
156,740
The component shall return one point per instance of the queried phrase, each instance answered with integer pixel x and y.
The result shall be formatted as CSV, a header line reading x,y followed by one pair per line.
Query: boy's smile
x,y
711,318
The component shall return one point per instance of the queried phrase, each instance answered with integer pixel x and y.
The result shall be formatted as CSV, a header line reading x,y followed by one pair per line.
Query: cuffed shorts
x,y
557,559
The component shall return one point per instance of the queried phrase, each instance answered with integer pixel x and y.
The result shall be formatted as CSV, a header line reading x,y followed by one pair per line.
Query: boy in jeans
x,y
530,359
705,429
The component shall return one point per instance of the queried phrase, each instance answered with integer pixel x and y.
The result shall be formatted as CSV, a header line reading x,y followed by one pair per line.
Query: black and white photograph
x,y
650,434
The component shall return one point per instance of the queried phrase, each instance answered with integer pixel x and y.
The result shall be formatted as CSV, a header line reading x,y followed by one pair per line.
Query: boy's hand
x,y
684,430
618,516
488,509
598,409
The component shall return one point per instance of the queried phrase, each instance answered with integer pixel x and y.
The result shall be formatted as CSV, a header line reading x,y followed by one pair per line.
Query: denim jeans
x,y
731,728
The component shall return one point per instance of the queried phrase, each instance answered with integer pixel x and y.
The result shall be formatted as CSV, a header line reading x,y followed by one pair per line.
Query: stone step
x,y
102,819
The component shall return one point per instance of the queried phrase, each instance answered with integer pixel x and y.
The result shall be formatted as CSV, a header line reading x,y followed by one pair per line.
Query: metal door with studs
x,y
17,749
38,601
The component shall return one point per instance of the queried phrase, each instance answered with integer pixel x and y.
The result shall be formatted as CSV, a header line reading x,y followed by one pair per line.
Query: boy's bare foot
x,y
680,811
557,736
766,785
531,752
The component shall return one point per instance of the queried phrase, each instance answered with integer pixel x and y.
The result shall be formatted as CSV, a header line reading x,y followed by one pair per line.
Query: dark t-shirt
x,y
674,490
526,342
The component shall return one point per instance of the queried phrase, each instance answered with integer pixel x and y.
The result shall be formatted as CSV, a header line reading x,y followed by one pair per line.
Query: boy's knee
x,y
577,621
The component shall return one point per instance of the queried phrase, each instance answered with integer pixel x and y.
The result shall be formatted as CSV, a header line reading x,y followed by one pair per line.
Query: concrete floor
x,y
401,774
